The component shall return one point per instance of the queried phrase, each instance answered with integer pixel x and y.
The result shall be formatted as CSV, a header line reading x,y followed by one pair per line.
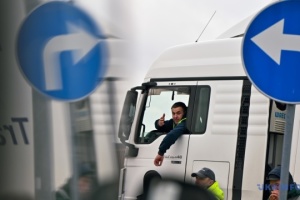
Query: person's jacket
x,y
175,131
62,194
216,190
294,194
294,198
167,127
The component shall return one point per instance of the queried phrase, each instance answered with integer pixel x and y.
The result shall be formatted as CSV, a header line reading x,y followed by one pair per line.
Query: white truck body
x,y
241,132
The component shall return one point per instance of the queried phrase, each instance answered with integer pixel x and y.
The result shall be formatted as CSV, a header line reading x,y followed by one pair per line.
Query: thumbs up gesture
x,y
161,120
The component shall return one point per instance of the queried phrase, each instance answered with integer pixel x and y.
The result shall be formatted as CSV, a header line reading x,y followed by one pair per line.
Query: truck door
x,y
153,104
229,135
214,129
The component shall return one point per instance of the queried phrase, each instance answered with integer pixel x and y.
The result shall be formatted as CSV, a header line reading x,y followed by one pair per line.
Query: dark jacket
x,y
173,133
64,192
167,127
294,194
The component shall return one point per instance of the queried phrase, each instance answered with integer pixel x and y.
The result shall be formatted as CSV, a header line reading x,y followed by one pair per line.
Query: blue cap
x,y
205,173
85,169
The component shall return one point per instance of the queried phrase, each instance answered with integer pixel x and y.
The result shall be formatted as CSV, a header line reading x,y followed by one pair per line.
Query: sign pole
x,y
286,152
269,34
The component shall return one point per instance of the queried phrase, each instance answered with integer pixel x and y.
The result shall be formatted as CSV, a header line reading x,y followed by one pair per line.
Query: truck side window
x,y
159,102
201,108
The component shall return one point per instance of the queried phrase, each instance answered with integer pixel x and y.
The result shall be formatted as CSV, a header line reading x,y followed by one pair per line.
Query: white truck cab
x,y
233,129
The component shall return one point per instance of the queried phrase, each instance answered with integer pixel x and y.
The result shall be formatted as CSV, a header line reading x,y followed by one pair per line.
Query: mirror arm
x,y
131,151
144,87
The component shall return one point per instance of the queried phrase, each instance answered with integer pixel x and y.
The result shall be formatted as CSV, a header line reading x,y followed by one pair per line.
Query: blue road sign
x,y
61,51
271,51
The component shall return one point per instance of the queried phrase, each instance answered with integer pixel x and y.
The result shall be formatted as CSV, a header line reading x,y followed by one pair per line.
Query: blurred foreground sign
x,y
271,51
61,51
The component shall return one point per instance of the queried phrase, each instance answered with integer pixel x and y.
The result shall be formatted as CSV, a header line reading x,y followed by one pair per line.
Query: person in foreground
x,y
85,185
174,127
274,178
205,178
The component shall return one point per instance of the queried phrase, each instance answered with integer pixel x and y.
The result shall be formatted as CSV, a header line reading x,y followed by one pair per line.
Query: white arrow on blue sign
x,y
271,51
61,51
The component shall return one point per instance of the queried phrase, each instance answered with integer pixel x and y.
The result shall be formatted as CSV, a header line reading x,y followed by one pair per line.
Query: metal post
x,y
42,135
43,146
286,152
74,158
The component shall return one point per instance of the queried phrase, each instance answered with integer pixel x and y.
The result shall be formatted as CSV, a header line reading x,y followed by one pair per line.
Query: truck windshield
x,y
159,102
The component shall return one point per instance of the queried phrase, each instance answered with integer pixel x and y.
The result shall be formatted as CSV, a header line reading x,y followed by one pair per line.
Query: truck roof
x,y
206,59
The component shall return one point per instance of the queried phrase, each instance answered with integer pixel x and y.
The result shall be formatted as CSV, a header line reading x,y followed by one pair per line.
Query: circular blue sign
x,y
271,51
61,51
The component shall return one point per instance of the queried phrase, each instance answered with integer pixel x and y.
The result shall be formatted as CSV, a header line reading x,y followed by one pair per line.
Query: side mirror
x,y
127,115
280,106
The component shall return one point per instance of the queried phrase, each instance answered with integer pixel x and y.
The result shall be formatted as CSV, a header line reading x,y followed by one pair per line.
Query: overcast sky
x,y
151,26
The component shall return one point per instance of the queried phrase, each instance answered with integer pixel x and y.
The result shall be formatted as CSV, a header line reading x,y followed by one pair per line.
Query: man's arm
x,y
171,138
168,125
159,124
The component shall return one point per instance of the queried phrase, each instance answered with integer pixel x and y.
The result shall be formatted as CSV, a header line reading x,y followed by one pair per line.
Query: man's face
x,y
177,114
275,184
84,184
203,182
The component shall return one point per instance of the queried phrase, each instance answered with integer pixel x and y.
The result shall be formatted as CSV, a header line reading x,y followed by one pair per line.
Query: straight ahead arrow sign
x,y
272,41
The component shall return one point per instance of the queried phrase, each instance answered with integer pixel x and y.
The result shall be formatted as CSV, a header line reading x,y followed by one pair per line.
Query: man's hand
x,y
158,160
274,195
161,120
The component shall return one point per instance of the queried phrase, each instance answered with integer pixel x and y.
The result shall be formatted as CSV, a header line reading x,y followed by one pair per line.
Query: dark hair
x,y
180,104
